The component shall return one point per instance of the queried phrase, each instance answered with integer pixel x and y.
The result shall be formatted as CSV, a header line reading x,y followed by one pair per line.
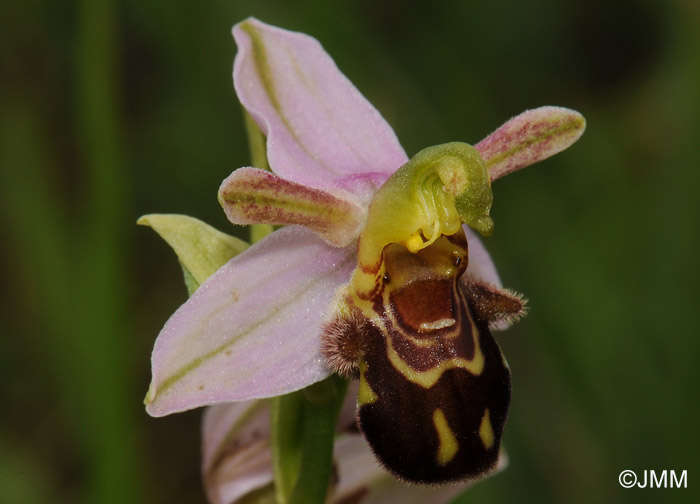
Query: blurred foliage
x,y
110,110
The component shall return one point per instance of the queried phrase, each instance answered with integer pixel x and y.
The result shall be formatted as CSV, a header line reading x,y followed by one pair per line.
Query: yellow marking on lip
x,y
486,431
448,442
427,379
365,394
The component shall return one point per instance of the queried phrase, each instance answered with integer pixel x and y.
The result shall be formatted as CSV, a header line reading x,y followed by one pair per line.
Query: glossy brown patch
x,y
420,304
425,350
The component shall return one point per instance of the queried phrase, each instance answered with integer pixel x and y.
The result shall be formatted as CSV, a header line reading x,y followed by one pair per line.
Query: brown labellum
x,y
434,386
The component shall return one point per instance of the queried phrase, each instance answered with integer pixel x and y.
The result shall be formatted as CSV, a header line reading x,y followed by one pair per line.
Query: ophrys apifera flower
x,y
376,272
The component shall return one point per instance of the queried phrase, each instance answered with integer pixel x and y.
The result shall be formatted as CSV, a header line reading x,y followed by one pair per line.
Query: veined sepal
x,y
530,137
224,343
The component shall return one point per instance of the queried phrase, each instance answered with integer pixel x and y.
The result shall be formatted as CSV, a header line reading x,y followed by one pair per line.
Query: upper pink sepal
x,y
252,329
530,137
319,127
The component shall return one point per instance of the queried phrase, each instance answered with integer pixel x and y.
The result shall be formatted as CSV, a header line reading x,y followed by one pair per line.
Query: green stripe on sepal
x,y
530,137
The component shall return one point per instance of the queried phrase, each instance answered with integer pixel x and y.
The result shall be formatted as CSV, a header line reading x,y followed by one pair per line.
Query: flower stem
x,y
256,143
286,417
303,430
258,158
322,403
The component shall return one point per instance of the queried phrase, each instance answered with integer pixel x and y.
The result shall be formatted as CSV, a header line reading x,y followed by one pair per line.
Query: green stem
x,y
303,431
260,231
256,143
321,407
286,420
258,157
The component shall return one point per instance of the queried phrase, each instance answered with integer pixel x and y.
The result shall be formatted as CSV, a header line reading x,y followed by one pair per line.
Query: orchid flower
x,y
341,287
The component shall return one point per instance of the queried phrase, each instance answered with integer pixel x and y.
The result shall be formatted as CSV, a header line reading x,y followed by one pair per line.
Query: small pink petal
x,y
252,329
319,128
253,196
530,137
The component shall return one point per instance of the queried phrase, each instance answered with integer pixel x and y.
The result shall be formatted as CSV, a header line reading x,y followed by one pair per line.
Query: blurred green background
x,y
110,110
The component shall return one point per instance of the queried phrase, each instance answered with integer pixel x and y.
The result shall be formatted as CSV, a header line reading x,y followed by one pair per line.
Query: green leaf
x,y
200,248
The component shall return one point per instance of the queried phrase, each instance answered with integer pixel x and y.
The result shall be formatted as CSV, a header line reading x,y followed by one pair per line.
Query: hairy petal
x,y
253,196
320,130
499,306
530,137
252,329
